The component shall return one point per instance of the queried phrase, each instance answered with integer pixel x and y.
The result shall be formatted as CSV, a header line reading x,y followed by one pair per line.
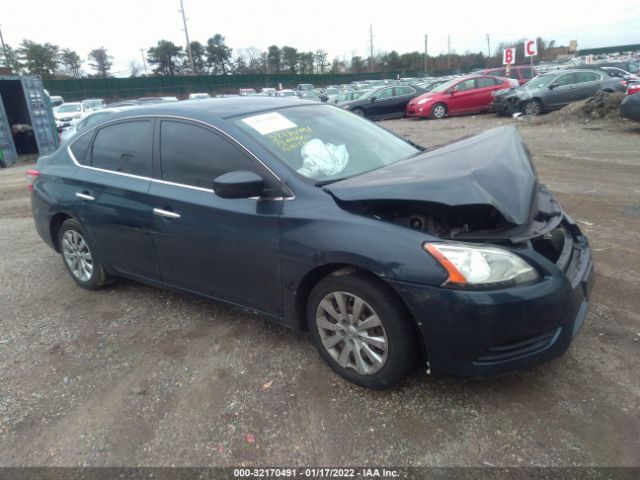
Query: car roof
x,y
216,107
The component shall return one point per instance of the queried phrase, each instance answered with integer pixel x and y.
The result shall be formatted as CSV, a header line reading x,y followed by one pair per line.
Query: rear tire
x,y
439,111
79,257
362,330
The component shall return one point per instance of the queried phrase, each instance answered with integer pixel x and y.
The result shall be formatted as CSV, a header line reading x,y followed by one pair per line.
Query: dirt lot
x,y
133,375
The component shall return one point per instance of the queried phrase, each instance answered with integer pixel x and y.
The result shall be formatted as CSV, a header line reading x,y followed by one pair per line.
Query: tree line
x,y
215,57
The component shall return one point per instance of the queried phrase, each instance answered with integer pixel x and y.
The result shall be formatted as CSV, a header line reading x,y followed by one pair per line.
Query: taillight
x,y
32,174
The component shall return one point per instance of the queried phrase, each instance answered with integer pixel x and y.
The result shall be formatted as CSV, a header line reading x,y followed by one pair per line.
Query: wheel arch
x,y
54,228
314,276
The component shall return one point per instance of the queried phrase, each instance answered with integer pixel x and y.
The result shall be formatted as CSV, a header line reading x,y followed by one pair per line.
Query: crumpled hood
x,y
492,168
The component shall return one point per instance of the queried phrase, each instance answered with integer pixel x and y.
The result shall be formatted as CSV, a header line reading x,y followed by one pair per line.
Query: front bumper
x,y
418,110
496,332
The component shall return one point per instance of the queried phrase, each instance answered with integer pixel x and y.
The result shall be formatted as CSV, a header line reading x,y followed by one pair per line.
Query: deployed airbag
x,y
321,159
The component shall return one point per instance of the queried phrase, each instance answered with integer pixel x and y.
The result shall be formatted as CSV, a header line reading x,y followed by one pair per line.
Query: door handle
x,y
165,213
84,196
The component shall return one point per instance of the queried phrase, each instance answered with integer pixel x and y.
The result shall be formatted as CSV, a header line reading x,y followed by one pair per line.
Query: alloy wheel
x,y
439,111
532,108
352,333
77,255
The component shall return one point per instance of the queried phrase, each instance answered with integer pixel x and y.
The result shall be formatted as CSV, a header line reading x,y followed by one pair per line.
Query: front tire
x,y
361,330
358,111
439,111
79,257
532,108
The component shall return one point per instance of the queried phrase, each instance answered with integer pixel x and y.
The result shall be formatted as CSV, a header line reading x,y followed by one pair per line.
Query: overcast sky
x,y
339,27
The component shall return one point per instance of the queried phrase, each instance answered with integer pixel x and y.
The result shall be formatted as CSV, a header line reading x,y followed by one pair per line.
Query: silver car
x,y
553,90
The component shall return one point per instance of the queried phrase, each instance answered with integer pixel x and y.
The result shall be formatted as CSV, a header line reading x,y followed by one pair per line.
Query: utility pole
x,y
186,34
425,55
448,51
371,47
488,47
4,50
144,60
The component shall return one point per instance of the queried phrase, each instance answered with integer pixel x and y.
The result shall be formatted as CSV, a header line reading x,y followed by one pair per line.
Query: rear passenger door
x,y
483,97
223,248
383,103
109,194
587,84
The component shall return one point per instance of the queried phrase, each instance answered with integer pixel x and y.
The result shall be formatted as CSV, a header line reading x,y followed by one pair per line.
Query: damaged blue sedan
x,y
390,255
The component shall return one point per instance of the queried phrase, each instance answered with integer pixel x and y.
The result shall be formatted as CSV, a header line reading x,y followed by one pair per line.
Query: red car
x,y
458,96
520,73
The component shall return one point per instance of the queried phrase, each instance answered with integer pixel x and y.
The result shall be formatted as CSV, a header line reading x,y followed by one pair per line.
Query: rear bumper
x,y
486,333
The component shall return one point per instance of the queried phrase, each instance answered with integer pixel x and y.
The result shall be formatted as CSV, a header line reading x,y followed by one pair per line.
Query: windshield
x,y
323,143
540,81
68,108
444,86
92,103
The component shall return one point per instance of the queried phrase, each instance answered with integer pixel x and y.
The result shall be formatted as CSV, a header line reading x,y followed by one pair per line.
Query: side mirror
x,y
452,91
372,99
552,86
239,184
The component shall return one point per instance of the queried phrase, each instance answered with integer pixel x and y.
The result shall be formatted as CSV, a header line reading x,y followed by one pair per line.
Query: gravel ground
x,y
133,375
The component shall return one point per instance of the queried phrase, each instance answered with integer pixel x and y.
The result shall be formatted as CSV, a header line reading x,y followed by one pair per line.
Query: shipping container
x,y
27,125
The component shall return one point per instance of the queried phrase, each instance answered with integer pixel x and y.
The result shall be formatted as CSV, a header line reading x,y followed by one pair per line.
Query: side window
x,y
487,82
80,147
563,80
384,93
124,147
466,85
586,77
404,91
194,155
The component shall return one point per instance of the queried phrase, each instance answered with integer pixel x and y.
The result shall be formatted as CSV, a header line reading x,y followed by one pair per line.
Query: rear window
x,y
487,82
124,147
80,147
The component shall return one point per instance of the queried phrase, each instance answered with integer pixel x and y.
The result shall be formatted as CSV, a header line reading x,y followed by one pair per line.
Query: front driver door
x,y
561,91
384,99
462,96
223,248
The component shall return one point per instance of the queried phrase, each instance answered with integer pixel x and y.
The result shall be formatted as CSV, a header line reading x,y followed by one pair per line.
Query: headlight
x,y
481,265
346,107
423,101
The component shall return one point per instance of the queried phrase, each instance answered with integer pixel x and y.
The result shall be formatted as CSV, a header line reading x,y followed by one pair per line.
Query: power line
x,y
186,34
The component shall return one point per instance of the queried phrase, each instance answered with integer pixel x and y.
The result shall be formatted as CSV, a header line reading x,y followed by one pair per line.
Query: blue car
x,y
390,255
